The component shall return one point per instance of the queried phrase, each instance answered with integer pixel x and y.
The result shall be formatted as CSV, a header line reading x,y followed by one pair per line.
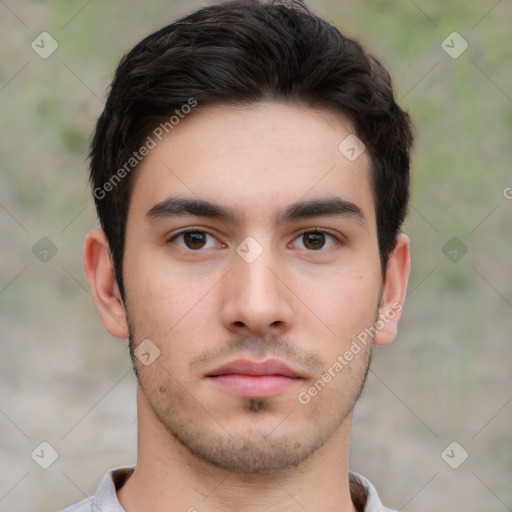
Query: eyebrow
x,y
182,206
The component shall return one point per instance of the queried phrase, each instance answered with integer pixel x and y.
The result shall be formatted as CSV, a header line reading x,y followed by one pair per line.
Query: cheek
x,y
345,302
348,307
171,308
159,292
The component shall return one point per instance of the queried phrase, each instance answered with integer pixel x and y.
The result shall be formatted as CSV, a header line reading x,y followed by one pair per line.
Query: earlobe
x,y
102,281
394,291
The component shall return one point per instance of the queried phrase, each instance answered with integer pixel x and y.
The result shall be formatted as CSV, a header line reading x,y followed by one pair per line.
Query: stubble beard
x,y
253,451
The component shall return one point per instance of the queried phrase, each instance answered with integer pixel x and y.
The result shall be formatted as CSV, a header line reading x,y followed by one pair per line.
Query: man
x,y
251,174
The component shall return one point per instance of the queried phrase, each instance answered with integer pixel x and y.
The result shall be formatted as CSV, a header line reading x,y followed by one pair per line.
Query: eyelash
x,y
337,239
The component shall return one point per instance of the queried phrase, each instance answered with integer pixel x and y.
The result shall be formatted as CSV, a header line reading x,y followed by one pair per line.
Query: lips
x,y
251,379
243,367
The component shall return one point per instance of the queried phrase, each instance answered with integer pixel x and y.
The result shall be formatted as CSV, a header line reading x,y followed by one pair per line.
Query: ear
x,y
394,291
102,280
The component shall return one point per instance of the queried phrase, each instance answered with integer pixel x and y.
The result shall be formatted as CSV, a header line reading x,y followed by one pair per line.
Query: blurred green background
x,y
447,377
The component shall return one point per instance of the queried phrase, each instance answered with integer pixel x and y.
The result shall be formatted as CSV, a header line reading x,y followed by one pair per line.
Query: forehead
x,y
255,159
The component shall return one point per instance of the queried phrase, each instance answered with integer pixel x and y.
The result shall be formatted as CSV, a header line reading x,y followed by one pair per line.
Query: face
x,y
252,265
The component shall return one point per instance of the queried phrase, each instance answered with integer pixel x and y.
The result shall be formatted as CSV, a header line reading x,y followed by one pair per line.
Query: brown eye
x,y
316,240
195,240
313,240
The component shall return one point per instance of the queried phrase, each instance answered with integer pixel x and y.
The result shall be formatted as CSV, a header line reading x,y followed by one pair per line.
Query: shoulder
x,y
105,497
84,505
365,494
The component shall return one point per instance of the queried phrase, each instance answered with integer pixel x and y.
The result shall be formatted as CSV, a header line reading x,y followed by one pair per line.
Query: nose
x,y
257,300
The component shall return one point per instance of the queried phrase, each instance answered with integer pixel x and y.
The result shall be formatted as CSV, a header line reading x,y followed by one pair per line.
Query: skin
x,y
299,302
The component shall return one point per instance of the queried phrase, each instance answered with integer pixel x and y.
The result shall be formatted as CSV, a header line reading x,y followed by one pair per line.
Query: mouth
x,y
251,379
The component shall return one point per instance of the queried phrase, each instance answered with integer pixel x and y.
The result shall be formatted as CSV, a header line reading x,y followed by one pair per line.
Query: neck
x,y
168,475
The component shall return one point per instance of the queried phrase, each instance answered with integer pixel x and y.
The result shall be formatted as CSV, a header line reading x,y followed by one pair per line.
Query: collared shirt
x,y
363,493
